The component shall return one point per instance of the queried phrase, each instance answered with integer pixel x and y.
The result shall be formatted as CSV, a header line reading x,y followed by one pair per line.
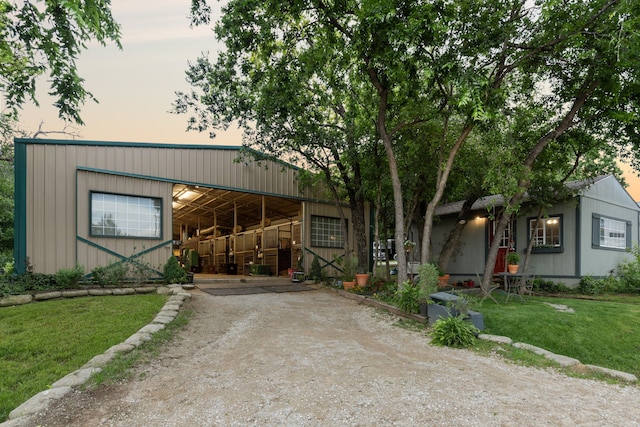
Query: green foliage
x,y
37,39
349,266
406,299
111,275
513,258
173,271
453,331
69,278
428,281
550,286
43,342
598,332
316,271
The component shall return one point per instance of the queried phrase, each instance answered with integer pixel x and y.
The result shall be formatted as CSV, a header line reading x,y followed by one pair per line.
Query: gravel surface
x,y
317,359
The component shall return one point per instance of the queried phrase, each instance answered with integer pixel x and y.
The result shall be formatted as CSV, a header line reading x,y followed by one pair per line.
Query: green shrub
x,y
407,298
69,278
453,332
591,286
316,270
110,276
549,286
173,272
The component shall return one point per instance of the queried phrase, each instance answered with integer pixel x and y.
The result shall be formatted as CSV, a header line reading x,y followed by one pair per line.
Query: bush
x,y
549,286
69,278
173,272
453,332
316,270
110,276
407,298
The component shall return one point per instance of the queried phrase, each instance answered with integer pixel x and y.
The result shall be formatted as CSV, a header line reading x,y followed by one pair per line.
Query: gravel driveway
x,y
316,359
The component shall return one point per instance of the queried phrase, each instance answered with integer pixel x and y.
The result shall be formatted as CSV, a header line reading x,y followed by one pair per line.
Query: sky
x,y
135,86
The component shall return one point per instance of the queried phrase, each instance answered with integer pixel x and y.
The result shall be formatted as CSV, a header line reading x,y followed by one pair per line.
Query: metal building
x,y
93,203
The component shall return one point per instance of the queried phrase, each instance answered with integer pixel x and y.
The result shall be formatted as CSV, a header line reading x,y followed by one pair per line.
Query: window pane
x,y
546,232
326,232
125,216
613,233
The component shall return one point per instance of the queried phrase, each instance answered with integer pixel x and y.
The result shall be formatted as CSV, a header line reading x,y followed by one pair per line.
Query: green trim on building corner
x,y
20,205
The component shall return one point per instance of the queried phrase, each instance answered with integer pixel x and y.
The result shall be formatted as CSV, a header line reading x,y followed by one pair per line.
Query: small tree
x,y
173,272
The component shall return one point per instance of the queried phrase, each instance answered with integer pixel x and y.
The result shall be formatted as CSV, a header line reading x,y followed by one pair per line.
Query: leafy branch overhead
x,y
47,38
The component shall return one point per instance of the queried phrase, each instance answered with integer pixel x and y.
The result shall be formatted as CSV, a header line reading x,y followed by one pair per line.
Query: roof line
x,y
125,144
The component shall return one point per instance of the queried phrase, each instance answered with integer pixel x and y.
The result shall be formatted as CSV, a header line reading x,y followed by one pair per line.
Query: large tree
x,y
452,66
592,83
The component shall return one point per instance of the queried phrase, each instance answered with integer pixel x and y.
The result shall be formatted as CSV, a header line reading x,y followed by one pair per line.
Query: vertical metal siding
x,y
50,183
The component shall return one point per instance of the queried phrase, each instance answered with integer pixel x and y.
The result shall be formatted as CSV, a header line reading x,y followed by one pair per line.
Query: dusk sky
x,y
135,86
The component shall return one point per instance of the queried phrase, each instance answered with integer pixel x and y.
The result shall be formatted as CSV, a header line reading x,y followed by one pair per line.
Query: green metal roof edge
x,y
257,155
39,141
201,184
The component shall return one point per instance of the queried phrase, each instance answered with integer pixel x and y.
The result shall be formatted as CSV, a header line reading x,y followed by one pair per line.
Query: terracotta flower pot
x,y
443,281
362,279
513,268
348,285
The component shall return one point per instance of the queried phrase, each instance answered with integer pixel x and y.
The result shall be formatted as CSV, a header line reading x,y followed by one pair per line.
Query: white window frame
x,y
326,232
124,216
613,233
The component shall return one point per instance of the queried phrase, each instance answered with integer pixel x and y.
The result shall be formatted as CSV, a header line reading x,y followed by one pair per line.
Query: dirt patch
x,y
315,358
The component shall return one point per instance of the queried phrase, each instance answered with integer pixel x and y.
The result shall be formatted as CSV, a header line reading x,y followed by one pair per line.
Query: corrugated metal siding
x,y
51,188
328,254
90,256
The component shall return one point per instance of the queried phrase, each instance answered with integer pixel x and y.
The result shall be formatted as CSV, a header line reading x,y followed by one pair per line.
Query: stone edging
x,y
563,361
12,300
23,414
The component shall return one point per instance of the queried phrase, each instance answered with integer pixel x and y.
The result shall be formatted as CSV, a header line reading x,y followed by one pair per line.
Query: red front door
x,y
507,240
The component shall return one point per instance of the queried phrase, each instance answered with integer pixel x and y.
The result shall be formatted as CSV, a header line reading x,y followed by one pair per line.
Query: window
x,y
613,233
326,232
546,233
116,215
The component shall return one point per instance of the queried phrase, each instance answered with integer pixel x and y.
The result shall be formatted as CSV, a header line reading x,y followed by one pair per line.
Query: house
x,y
589,234
93,203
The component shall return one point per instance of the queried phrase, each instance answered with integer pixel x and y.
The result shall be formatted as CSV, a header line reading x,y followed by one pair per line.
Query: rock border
x,y
23,415
564,361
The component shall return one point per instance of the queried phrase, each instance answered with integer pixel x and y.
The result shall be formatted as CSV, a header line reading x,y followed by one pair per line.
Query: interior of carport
x,y
222,231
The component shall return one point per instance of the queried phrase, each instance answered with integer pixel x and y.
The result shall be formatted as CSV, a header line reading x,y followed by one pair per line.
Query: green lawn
x,y
44,341
600,332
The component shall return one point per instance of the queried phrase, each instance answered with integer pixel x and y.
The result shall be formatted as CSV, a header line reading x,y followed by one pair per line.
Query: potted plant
x,y
349,266
513,258
362,278
443,278
427,284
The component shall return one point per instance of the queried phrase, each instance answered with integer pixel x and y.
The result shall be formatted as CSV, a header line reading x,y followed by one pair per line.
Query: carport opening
x,y
219,231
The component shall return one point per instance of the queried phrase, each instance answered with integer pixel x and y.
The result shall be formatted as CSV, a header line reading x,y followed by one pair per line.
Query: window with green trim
x,y
117,215
546,233
326,232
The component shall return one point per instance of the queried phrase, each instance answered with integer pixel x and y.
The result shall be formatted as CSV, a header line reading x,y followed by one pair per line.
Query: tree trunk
x,y
441,184
452,242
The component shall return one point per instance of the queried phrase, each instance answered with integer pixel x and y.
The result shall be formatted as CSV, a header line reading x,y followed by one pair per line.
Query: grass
x,y
603,332
42,342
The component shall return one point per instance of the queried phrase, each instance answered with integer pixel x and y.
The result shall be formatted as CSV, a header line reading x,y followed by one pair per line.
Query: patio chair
x,y
517,285
487,294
